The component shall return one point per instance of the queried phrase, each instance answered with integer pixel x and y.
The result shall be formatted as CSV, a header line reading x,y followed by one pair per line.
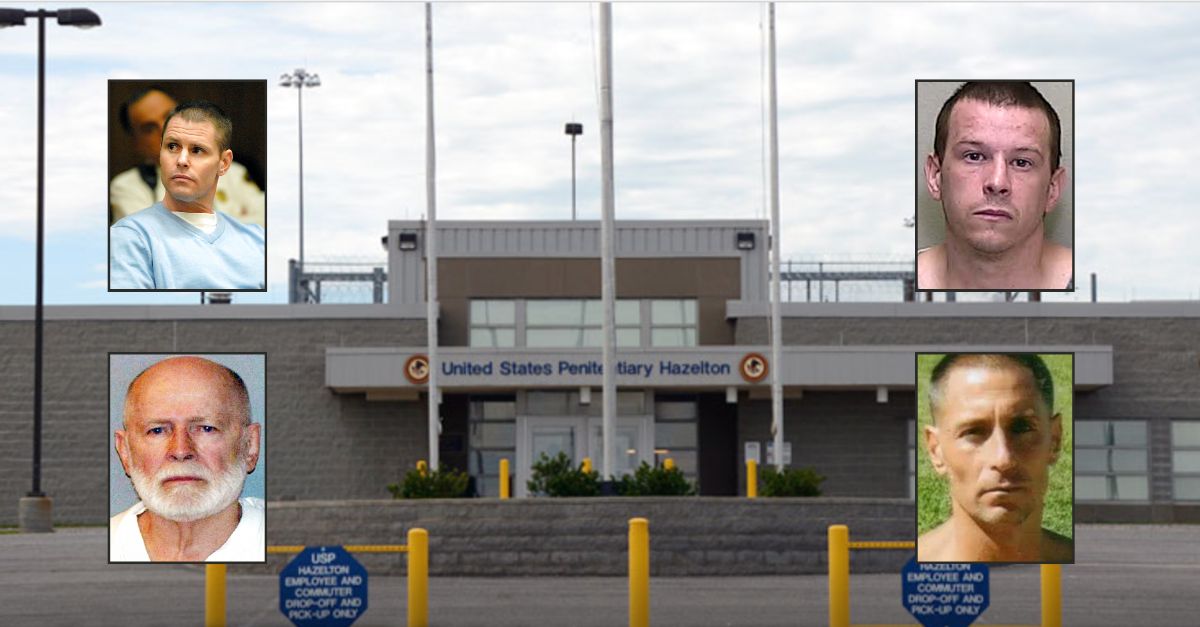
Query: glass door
x,y
633,444
548,435
581,437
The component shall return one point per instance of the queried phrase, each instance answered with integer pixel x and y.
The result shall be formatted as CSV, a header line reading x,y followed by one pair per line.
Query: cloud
x,y
688,124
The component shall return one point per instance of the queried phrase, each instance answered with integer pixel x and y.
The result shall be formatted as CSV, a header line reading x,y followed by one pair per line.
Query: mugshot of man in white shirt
x,y
188,443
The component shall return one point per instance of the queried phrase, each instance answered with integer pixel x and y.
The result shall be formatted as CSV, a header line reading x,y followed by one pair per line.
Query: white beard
x,y
189,503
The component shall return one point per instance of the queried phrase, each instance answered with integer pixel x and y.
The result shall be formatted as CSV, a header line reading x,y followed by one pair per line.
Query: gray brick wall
x,y
321,445
859,445
325,446
582,536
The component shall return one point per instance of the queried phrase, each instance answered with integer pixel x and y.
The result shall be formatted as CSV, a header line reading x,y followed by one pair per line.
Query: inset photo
x,y
187,167
995,185
187,457
995,458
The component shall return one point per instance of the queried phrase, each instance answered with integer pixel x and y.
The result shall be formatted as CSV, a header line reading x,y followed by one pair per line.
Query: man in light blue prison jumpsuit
x,y
181,242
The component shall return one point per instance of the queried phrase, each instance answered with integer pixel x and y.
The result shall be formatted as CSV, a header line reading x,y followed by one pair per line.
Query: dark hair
x,y
123,110
1042,380
204,111
1000,94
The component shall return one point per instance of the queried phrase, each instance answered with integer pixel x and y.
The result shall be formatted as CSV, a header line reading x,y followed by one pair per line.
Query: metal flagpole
x,y
776,243
607,271
431,292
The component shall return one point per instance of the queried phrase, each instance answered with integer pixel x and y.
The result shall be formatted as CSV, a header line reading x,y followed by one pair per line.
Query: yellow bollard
x,y
839,576
639,572
418,577
587,464
214,595
668,463
422,467
751,479
504,477
1051,595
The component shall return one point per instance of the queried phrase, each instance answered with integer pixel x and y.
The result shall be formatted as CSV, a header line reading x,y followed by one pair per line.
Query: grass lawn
x,y
933,502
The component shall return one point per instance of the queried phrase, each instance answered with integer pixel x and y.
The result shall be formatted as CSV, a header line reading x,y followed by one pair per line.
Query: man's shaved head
x,y
1042,381
185,372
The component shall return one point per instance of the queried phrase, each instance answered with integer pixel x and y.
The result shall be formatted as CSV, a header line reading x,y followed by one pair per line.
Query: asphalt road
x,y
1145,576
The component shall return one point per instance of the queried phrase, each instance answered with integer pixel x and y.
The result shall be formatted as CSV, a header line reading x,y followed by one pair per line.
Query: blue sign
x,y
324,586
942,594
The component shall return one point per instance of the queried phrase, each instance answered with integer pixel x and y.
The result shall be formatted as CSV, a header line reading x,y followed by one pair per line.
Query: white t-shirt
x,y
247,543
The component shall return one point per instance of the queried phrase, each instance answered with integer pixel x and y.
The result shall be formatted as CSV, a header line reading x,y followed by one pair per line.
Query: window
x,y
492,422
493,323
1185,459
673,323
1111,460
675,433
578,323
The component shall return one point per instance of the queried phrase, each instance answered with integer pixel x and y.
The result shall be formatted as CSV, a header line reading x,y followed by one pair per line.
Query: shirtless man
x,y
995,169
994,437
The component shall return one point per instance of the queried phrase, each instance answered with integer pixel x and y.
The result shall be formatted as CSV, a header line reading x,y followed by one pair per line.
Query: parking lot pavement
x,y
1126,575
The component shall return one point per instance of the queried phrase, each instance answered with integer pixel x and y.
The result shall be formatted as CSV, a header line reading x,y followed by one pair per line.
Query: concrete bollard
x,y
35,514
751,479
639,572
504,488
418,577
214,595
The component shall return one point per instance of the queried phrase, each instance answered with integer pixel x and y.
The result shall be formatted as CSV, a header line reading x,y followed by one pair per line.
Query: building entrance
x,y
579,437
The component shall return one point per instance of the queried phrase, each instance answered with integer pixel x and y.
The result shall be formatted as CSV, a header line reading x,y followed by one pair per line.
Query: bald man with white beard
x,y
187,445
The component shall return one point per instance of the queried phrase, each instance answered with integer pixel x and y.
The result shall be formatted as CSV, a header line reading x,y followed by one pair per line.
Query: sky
x,y
689,122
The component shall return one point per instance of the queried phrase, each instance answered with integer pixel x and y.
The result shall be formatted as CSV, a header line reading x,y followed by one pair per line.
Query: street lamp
x,y
574,129
301,79
34,511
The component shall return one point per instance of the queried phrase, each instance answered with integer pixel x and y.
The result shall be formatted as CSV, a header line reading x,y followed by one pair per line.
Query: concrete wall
x,y
325,446
588,536
859,445
320,444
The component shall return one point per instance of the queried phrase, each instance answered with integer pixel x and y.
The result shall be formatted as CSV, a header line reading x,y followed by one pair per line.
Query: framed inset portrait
x,y
995,458
187,167
995,185
187,457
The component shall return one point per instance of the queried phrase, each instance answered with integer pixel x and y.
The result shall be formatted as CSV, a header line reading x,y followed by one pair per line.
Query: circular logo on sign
x,y
753,367
416,369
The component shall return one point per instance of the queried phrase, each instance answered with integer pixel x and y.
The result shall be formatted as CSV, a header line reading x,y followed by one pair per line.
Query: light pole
x,y
34,511
301,79
574,129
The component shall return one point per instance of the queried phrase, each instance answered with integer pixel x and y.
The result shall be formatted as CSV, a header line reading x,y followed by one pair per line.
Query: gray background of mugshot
x,y
123,368
931,225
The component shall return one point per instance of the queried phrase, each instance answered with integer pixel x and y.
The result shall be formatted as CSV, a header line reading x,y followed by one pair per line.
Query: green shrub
x,y
443,483
790,482
649,480
557,477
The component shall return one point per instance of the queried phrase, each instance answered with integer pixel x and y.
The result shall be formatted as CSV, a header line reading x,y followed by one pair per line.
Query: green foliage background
x,y
443,483
933,500
557,476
